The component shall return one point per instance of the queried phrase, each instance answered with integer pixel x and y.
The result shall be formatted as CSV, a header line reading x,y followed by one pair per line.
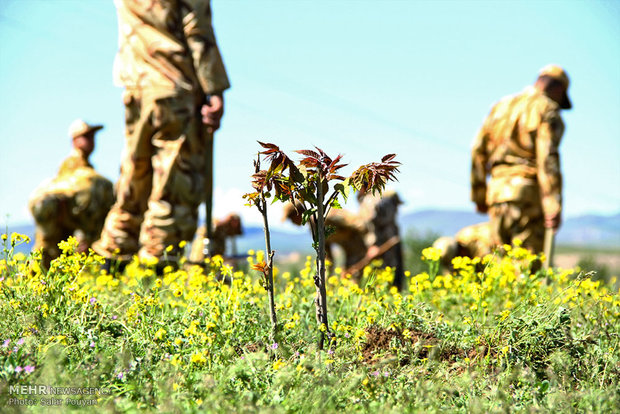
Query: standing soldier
x,y
518,147
380,213
75,202
174,79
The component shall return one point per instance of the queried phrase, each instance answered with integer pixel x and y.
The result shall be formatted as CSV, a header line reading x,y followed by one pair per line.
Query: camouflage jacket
x,y
78,198
168,45
349,233
518,146
74,161
476,240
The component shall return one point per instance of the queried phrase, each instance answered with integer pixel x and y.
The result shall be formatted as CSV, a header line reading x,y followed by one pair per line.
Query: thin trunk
x,y
269,260
319,280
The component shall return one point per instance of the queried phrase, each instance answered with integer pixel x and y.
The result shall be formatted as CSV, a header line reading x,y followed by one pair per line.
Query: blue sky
x,y
361,78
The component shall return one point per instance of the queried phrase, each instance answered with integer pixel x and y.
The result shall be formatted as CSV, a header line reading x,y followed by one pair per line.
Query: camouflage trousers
x,y
162,179
73,206
523,221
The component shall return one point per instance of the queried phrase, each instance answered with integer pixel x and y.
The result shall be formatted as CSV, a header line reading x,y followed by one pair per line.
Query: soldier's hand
x,y
553,221
482,208
212,112
83,246
373,252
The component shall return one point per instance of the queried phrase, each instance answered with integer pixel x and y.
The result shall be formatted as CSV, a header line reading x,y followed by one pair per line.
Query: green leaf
x,y
543,387
308,195
347,189
329,230
306,215
335,204
340,188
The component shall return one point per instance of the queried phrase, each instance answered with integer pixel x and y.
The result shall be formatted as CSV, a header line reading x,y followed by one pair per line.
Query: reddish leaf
x,y
374,176
309,153
269,145
261,267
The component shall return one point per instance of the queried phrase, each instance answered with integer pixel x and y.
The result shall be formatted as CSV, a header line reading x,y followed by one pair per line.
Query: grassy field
x,y
496,335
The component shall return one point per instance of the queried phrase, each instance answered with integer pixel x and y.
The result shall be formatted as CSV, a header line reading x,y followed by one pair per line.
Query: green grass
x,y
502,339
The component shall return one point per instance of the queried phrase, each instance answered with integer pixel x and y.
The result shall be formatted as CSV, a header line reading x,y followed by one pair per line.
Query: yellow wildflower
x,y
432,254
198,358
175,360
278,364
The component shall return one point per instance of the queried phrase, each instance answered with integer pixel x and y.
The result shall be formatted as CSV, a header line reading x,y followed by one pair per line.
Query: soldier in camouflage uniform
x,y
379,213
349,233
224,229
518,147
174,79
75,202
471,241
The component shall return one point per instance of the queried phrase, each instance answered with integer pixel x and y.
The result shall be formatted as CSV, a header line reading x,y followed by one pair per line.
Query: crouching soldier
x,y
348,233
471,241
75,202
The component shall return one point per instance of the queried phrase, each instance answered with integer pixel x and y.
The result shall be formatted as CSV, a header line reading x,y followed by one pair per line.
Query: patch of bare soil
x,y
250,347
380,343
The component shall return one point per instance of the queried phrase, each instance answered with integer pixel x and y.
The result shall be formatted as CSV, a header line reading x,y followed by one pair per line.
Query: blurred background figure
x,y
471,241
174,78
348,233
75,202
518,147
380,214
225,229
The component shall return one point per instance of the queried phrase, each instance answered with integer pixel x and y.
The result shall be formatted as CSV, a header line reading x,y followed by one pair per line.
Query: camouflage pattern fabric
x,y
523,221
476,240
518,146
168,45
74,161
449,249
471,241
348,234
162,178
380,215
74,203
168,62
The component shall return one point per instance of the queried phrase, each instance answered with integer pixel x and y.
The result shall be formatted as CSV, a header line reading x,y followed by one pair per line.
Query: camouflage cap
x,y
559,74
79,127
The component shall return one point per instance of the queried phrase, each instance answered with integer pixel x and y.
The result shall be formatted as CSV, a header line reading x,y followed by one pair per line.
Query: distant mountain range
x,y
582,231
587,230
